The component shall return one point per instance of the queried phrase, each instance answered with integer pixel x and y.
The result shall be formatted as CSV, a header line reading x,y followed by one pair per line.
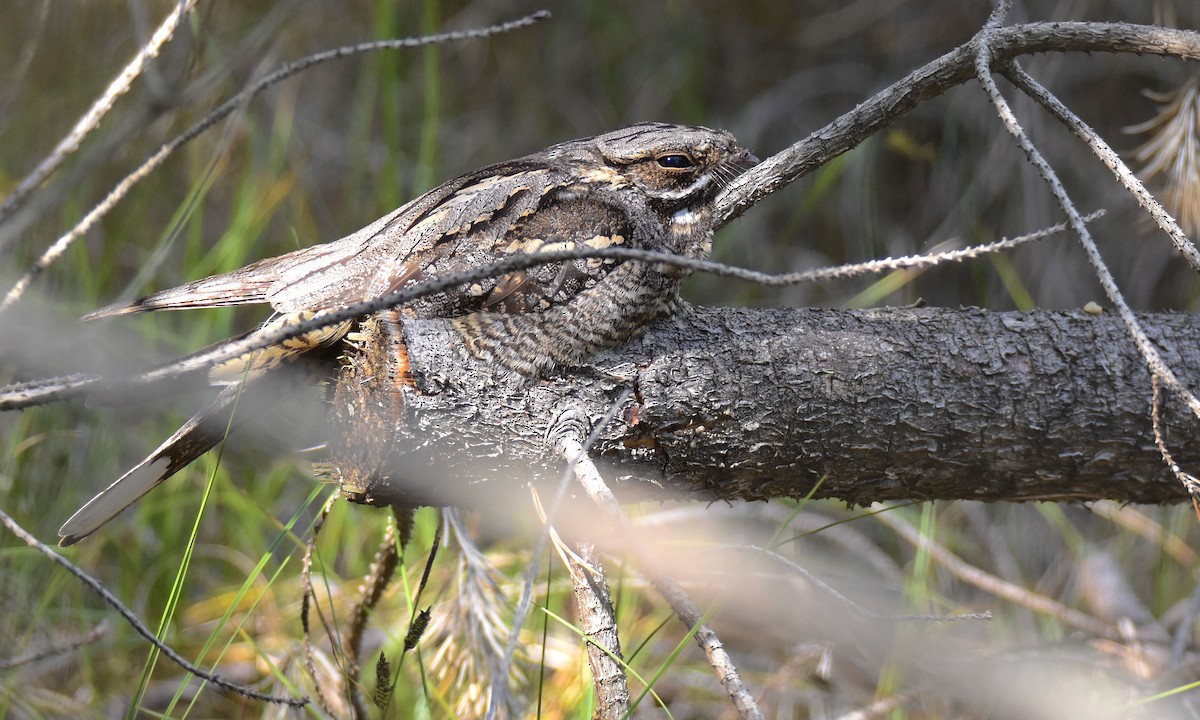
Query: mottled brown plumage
x,y
648,186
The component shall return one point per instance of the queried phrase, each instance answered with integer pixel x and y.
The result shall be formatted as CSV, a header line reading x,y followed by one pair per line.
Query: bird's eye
x,y
675,161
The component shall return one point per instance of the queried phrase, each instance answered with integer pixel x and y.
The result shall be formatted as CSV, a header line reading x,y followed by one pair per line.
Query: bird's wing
x,y
455,225
245,286
374,260
195,437
579,223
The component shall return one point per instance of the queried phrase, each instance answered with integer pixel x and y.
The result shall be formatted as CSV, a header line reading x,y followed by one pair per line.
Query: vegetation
x,y
1092,607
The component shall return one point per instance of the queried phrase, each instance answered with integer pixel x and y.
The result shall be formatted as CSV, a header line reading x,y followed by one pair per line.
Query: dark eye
x,y
675,162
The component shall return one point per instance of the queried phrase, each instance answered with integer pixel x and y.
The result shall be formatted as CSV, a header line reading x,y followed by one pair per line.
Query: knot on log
x,y
570,424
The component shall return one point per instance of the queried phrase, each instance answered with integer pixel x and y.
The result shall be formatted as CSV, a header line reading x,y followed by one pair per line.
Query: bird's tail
x,y
253,383
244,286
195,437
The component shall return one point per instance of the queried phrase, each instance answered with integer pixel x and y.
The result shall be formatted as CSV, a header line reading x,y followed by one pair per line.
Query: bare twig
x,y
17,71
1136,521
1109,157
1148,351
91,119
931,80
46,390
996,18
40,392
882,707
1189,481
526,602
1182,643
598,621
997,586
841,599
154,161
87,638
589,477
15,528
909,262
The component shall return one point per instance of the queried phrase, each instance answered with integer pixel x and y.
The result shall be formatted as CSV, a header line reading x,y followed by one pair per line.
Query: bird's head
x,y
675,166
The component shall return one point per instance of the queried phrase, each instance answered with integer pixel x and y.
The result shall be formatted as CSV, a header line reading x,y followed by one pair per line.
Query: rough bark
x,y
753,404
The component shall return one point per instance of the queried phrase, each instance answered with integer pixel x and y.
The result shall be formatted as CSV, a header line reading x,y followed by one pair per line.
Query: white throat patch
x,y
686,216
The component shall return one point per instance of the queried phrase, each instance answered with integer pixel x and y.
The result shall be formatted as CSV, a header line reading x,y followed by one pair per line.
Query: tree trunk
x,y
747,404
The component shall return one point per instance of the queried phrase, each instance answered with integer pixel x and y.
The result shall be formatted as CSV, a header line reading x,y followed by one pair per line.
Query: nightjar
x,y
648,186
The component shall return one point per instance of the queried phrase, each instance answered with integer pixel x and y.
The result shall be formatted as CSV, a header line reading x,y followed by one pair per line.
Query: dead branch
x,y
931,80
754,404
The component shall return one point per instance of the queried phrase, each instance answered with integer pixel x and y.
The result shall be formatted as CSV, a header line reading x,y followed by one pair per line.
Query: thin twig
x,y
1137,522
91,119
570,417
997,586
589,477
1189,481
996,18
883,707
1126,177
16,73
87,638
40,392
933,79
15,528
909,262
1182,643
841,599
1155,363
598,621
154,161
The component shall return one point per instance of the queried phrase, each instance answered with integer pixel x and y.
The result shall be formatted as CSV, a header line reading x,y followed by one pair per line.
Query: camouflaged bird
x,y
647,186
